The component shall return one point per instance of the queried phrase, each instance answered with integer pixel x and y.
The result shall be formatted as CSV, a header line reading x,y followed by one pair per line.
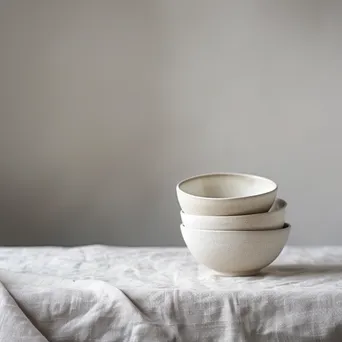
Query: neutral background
x,y
106,105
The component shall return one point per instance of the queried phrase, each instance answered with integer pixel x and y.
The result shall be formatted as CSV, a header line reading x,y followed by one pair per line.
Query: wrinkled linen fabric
x,y
105,294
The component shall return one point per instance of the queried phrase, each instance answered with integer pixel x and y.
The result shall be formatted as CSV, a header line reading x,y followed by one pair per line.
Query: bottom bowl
x,y
235,253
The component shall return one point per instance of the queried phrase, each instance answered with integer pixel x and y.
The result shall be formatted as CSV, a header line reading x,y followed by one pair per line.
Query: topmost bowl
x,y
222,194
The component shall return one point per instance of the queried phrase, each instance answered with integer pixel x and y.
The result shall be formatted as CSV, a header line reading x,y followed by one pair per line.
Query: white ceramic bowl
x,y
226,194
235,253
273,219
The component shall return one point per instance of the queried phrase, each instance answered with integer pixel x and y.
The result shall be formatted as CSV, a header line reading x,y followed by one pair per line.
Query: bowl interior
x,y
250,232
227,185
279,204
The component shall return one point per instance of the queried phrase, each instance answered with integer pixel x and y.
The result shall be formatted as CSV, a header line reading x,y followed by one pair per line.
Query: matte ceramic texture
x,y
235,253
226,194
273,219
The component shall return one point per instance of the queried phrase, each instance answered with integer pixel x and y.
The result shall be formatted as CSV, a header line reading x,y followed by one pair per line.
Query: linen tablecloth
x,y
101,293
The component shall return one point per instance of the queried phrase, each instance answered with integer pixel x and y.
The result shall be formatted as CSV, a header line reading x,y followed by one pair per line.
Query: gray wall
x,y
105,105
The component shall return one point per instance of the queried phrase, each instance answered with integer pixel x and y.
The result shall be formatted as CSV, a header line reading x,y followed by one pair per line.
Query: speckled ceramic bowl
x,y
273,219
226,194
235,253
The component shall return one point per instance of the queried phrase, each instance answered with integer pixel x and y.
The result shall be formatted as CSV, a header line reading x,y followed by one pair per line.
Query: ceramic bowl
x,y
273,219
235,253
226,194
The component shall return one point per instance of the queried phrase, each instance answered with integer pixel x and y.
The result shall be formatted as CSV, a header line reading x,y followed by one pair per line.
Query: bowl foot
x,y
238,274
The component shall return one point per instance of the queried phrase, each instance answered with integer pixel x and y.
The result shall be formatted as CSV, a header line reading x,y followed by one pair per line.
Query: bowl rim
x,y
246,175
282,202
287,226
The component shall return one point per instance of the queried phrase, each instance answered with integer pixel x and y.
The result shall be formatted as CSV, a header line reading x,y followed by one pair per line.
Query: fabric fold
x,y
15,326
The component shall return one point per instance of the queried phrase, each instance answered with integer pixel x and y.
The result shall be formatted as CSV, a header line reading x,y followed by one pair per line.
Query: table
x,y
102,293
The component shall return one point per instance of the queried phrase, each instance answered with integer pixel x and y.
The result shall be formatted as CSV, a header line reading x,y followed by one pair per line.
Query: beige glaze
x,y
235,253
226,194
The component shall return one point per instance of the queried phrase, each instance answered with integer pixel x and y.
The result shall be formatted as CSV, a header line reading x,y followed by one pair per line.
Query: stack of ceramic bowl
x,y
232,223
